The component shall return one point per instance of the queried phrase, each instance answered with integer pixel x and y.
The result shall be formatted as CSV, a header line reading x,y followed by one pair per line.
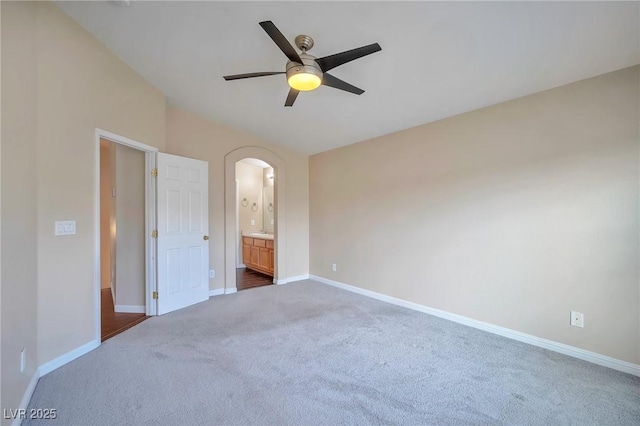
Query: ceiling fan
x,y
305,72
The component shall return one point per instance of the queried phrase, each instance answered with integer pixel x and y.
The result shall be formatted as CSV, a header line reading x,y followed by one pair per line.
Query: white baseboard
x,y
130,309
291,279
221,291
48,367
26,398
298,278
593,357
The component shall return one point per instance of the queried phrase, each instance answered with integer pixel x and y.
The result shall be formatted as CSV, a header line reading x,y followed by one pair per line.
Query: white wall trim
x,y
26,398
593,357
97,306
150,246
291,279
130,309
239,259
125,141
230,290
56,363
216,292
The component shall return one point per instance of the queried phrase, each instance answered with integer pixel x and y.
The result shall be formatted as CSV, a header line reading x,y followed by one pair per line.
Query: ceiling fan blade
x,y
281,41
251,75
336,83
291,97
330,62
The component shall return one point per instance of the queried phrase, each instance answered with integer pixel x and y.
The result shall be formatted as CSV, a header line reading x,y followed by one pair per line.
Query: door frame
x,y
150,222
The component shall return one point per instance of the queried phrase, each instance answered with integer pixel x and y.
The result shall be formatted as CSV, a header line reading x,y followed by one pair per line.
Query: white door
x,y
183,232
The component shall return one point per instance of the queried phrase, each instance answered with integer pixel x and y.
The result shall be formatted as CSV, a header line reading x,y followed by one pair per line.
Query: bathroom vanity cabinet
x,y
257,253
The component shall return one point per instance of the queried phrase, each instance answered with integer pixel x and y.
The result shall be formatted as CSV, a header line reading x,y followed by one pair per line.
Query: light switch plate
x,y
65,227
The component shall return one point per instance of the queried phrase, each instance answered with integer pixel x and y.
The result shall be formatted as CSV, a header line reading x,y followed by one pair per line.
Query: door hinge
x,y
154,172
155,294
154,234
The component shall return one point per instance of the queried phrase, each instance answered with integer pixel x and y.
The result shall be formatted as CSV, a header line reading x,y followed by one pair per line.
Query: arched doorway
x,y
230,258
255,218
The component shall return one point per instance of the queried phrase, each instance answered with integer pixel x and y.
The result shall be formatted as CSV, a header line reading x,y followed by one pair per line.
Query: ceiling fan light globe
x,y
305,76
304,81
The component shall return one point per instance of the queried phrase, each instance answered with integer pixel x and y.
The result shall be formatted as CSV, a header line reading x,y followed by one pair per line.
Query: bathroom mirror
x,y
268,209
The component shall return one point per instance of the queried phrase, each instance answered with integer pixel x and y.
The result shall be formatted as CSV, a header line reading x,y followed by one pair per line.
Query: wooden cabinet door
x,y
255,256
246,254
265,257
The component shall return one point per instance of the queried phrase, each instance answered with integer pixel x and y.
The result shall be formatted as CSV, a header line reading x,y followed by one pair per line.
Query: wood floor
x,y
246,278
114,323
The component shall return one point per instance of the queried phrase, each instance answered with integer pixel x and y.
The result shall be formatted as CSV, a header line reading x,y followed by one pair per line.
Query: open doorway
x,y
122,238
255,221
231,214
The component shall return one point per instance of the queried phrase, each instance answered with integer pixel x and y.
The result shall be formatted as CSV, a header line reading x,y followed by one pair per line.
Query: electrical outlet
x,y
253,222
212,273
577,319
334,267
22,360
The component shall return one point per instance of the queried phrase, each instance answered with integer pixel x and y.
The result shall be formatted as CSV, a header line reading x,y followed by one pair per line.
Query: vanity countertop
x,y
258,235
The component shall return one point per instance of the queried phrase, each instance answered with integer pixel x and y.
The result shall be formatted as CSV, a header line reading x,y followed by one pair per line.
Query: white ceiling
x,y
438,59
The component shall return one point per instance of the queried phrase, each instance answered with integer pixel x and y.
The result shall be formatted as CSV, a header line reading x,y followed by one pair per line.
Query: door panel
x,y
255,256
183,221
265,255
246,254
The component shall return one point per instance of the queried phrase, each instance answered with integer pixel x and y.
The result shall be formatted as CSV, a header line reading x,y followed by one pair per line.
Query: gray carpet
x,y
306,353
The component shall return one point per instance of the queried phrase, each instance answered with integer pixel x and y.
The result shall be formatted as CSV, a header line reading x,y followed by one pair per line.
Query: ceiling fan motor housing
x,y
304,42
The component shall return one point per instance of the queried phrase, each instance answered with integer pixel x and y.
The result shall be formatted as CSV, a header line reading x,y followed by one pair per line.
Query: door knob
x,y
206,237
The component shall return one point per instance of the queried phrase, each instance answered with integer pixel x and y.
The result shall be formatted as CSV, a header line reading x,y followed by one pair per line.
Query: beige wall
x,y
513,214
192,136
19,237
81,86
130,229
249,179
